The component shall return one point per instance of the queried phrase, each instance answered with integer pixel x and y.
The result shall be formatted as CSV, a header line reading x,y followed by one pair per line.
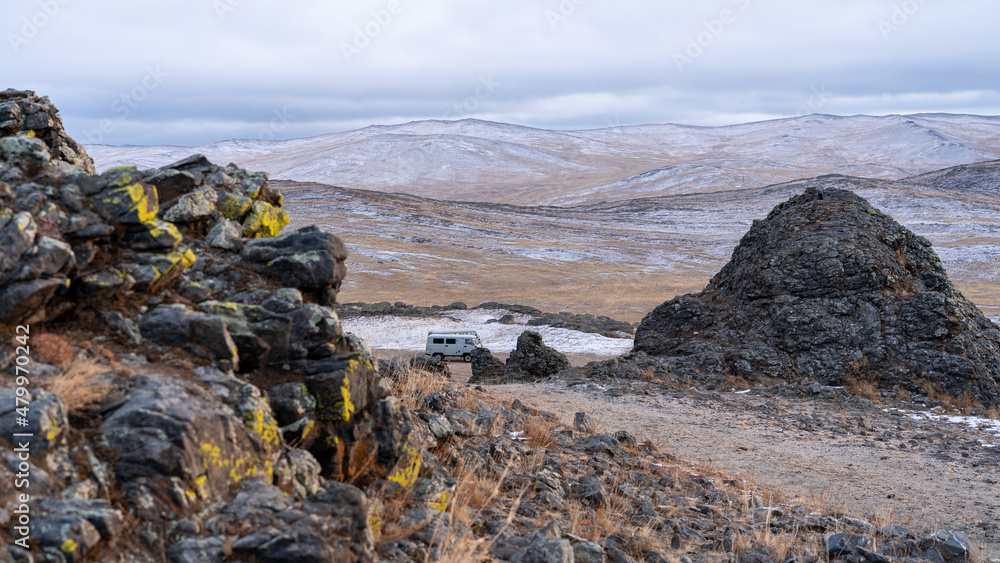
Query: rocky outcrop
x,y
531,361
829,288
187,263
23,113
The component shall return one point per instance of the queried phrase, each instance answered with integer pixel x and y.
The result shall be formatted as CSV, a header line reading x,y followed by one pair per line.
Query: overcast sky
x,y
196,71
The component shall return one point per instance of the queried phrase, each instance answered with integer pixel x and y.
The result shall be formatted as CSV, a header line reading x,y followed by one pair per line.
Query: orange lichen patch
x,y
52,349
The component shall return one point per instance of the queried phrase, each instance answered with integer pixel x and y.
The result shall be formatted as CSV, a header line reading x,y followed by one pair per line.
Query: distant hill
x,y
473,160
983,176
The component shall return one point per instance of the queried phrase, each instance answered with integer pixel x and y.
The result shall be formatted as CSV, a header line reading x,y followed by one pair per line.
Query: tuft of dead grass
x,y
78,384
862,388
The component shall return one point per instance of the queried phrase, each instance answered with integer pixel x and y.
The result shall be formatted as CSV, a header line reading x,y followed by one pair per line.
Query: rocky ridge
x,y
828,289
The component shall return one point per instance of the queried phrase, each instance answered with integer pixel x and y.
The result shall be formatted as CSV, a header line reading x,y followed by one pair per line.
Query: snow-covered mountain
x,y
473,160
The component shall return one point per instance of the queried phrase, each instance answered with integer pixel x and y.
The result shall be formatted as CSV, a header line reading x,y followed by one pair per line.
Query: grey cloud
x,y
231,64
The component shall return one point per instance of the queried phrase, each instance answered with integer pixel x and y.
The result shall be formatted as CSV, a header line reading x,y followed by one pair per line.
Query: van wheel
x,y
467,358
439,356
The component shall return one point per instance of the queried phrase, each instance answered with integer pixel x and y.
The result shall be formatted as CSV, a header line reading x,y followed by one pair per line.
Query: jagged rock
x,y
264,220
169,428
23,112
394,368
485,367
153,235
192,206
125,200
292,402
68,537
171,184
226,235
431,364
298,473
338,530
588,552
197,550
949,547
26,302
843,544
234,207
26,154
828,288
306,258
199,333
107,520
260,335
533,360
548,550
17,235
46,420
48,258
284,300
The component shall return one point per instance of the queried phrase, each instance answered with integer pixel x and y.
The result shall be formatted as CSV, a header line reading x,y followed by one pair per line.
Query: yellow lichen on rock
x,y
345,391
408,468
441,504
265,220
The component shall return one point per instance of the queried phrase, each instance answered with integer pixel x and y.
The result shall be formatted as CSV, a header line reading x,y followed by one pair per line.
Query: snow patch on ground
x,y
402,333
988,424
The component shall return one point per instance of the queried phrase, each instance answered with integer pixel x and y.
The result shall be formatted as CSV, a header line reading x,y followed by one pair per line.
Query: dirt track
x,y
923,474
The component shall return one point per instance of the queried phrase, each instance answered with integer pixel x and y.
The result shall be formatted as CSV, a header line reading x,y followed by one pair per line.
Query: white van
x,y
452,343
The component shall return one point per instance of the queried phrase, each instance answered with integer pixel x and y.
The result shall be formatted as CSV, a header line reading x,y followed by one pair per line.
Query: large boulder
x,y
170,431
533,360
307,258
485,367
827,288
201,334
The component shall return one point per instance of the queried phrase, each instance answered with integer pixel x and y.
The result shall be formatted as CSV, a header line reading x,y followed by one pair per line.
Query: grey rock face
x,y
172,429
193,206
828,288
307,258
200,333
46,420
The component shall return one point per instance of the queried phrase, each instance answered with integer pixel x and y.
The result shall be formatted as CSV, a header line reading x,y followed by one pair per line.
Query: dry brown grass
x,y
964,403
863,388
538,431
78,384
419,384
